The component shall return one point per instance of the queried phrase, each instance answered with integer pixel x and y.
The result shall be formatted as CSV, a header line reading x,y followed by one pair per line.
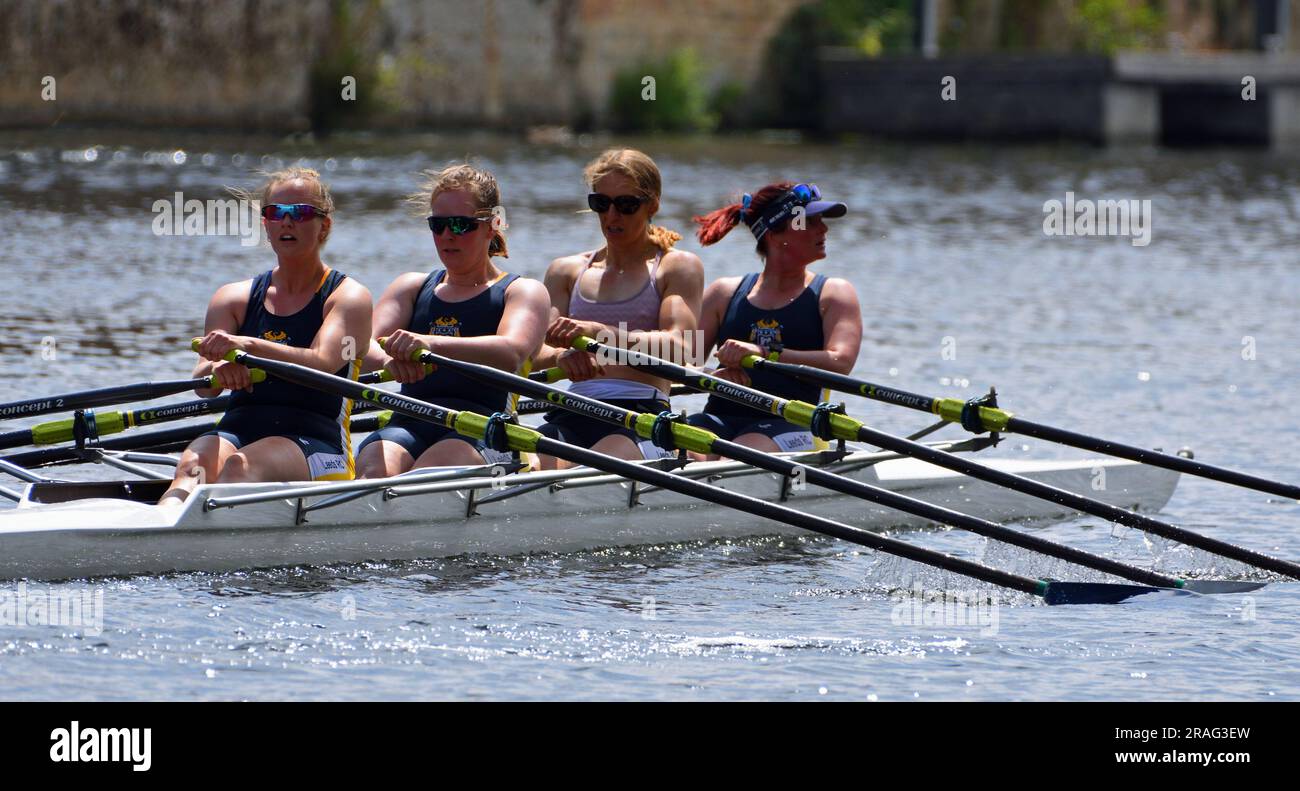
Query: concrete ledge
x,y
1207,68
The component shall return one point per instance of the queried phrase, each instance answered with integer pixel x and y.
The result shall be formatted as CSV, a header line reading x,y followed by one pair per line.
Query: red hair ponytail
x,y
717,224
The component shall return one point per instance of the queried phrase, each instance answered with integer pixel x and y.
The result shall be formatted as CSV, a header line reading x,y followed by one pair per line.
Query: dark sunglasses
x,y
458,225
299,212
626,204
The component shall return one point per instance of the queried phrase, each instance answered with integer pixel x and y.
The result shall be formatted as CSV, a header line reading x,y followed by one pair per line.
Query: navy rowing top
x,y
795,326
469,318
329,413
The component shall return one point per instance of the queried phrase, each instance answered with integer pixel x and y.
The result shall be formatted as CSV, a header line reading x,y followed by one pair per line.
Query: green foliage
x,y
791,75
663,96
342,58
729,104
1109,25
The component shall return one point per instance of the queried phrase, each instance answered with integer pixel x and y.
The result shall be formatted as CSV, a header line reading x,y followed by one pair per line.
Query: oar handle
x,y
382,375
753,360
549,375
257,375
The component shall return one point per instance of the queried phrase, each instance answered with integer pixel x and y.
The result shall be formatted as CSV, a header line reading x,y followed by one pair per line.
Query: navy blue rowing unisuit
x,y
798,325
479,315
318,423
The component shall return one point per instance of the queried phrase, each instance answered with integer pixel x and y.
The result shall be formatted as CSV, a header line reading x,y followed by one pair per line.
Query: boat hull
x,y
111,537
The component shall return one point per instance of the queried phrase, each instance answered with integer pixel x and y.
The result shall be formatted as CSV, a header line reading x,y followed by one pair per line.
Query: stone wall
x,y
248,63
147,62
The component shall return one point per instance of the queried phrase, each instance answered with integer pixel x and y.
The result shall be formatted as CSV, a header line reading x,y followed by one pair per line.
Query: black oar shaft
x,y
619,416
87,399
1029,428
1076,502
111,423
943,515
777,513
772,405
1152,457
652,477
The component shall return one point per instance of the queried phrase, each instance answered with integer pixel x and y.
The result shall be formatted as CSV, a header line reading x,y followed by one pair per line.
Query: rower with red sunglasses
x,y
301,312
470,310
636,290
785,312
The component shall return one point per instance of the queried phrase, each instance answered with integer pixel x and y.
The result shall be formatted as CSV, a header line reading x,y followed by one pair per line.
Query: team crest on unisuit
x,y
765,332
444,325
276,336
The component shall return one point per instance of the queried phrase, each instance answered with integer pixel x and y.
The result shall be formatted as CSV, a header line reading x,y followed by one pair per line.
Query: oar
x,y
994,419
165,440
842,426
681,435
162,441
519,438
105,396
100,424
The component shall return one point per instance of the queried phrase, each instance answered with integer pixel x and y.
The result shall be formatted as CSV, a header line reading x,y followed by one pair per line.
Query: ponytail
x,y
717,224
663,238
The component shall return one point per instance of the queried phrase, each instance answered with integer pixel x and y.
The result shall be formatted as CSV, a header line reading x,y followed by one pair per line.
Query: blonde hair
x,y
481,186
643,172
273,179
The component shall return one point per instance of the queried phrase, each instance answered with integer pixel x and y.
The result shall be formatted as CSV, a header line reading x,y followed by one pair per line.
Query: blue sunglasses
x,y
298,212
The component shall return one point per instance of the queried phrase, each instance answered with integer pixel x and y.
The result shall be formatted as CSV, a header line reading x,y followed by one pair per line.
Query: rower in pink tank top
x,y
640,312
624,192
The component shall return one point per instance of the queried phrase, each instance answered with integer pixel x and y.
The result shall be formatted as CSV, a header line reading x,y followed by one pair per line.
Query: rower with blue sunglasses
x,y
784,312
300,312
469,310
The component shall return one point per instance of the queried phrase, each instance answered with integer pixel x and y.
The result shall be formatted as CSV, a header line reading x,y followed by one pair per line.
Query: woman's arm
x,y
679,308
225,314
714,309
841,326
392,313
559,279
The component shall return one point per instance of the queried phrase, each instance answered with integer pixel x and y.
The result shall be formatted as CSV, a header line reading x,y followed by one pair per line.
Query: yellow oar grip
x,y
749,360
415,356
257,375
385,376
580,343
229,356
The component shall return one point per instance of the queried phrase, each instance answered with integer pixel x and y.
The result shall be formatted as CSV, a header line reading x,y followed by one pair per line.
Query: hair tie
x,y
745,200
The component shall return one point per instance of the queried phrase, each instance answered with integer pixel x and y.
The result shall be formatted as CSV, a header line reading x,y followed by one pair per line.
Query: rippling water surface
x,y
1190,341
